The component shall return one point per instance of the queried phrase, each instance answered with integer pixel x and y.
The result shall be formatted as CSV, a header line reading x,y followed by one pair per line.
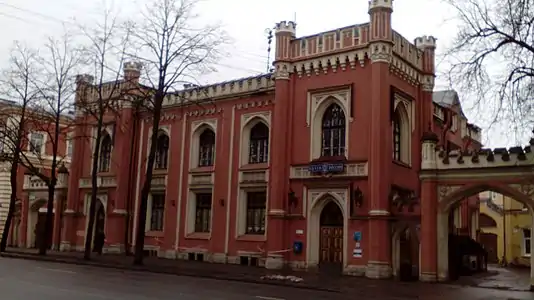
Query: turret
x,y
427,44
285,32
380,31
429,156
132,71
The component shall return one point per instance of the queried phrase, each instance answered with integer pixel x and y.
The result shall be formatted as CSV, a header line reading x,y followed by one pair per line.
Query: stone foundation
x,y
65,246
274,262
378,270
428,277
355,270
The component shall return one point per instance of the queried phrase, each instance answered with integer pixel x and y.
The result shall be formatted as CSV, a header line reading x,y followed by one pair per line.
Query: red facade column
x,y
429,232
279,164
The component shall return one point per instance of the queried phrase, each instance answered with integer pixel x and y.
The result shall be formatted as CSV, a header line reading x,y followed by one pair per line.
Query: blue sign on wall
x,y
327,168
357,236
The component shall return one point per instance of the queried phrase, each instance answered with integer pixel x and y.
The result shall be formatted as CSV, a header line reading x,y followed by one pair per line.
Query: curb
x,y
227,277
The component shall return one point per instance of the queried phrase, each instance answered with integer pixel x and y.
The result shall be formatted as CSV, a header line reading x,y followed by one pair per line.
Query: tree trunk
x,y
141,223
49,223
12,203
94,191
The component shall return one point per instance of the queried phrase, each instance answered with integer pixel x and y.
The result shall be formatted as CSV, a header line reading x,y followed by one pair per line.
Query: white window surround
x,y
248,121
105,129
45,139
69,145
454,125
241,224
191,208
167,130
405,144
318,103
526,239
197,127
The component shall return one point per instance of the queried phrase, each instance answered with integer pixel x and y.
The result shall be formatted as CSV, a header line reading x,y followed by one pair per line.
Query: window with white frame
x,y
36,142
256,208
157,211
526,242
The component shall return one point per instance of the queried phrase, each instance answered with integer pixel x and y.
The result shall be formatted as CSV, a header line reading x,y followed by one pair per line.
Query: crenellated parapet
x,y
286,27
483,158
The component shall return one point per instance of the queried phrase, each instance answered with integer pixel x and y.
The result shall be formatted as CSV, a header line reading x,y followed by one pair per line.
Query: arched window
x,y
206,148
105,153
397,137
333,131
259,144
162,151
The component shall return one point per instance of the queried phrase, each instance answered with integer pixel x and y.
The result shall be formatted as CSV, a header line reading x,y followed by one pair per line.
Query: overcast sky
x,y
244,20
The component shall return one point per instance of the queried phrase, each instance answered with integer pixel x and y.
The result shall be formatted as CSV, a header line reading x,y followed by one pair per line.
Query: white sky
x,y
245,21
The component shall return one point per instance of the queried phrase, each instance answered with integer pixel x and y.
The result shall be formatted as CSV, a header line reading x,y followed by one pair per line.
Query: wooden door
x,y
489,241
331,244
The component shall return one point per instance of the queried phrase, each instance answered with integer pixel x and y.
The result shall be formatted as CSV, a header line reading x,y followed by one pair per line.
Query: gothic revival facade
x,y
314,165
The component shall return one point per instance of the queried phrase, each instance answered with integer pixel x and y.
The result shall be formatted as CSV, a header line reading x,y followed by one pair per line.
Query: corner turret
x,y
285,27
425,42
380,4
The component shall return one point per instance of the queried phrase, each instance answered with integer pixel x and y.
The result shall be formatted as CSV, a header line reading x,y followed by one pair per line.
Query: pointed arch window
x,y
259,144
397,137
162,151
206,148
333,131
105,153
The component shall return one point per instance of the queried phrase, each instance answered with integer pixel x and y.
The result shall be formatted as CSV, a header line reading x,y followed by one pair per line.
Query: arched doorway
x,y
406,253
331,238
37,225
448,202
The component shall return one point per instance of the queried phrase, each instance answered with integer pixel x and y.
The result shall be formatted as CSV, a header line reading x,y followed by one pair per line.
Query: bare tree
x,y
105,51
492,58
49,119
174,52
17,82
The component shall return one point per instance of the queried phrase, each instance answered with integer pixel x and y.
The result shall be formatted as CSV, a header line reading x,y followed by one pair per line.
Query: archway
x,y
331,238
448,260
37,225
99,226
406,254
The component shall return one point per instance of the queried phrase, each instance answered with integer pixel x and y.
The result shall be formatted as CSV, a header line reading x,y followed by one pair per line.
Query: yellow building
x,y
505,229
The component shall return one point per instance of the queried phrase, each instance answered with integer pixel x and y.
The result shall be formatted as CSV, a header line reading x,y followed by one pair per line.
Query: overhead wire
x,y
72,23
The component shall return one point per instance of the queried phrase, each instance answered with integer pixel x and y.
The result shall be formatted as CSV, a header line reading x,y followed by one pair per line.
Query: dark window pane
x,y
157,212
256,208
203,212
333,131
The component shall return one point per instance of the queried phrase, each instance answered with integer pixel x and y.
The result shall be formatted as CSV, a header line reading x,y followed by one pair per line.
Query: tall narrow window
x,y
203,212
256,207
333,131
206,148
157,212
526,242
259,144
162,151
105,153
36,142
397,135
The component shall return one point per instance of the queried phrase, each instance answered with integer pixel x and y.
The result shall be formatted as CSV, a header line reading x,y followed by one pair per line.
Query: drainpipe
x,y
130,180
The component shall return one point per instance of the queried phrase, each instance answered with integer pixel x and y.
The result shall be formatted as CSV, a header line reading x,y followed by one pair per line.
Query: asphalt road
x,y
25,279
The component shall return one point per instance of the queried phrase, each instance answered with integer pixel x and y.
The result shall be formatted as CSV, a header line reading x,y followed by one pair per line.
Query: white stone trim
x,y
317,104
109,130
317,199
191,210
241,209
197,127
248,121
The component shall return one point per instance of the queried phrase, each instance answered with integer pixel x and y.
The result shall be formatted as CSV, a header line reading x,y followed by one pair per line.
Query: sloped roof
x,y
448,99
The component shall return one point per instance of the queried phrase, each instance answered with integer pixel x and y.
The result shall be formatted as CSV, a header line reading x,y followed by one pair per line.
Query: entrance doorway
x,y
408,255
331,239
490,242
100,222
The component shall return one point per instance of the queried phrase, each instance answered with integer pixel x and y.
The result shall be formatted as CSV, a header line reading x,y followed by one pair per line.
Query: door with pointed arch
x,y
100,222
331,238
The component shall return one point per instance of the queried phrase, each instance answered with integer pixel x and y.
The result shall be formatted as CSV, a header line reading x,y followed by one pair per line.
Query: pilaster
x,y
380,148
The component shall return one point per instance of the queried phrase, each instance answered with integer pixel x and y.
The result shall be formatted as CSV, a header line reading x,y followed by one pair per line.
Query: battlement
x,y
286,27
242,86
133,66
374,4
425,42
484,158
84,78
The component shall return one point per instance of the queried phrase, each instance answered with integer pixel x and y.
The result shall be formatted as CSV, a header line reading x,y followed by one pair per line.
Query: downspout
x,y
130,180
